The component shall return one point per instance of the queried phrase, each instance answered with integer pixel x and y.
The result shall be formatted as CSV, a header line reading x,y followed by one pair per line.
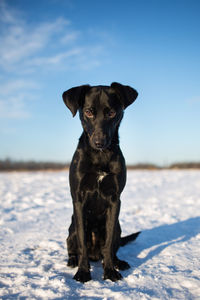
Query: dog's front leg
x,y
83,273
111,220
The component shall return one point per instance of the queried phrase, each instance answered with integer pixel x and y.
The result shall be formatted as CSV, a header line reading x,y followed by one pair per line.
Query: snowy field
x,y
35,212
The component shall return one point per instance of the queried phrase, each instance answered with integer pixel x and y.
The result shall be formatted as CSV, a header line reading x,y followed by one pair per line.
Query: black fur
x,y
97,178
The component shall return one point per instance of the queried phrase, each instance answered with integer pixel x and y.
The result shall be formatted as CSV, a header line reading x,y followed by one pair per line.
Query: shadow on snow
x,y
160,238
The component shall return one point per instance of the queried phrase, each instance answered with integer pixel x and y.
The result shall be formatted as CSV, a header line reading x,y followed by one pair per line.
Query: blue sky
x,y
49,46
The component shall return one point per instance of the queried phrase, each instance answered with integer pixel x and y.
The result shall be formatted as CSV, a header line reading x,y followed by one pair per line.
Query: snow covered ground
x,y
35,212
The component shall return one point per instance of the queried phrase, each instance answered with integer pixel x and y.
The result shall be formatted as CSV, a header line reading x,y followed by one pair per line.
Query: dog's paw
x,y
121,265
112,274
72,261
82,276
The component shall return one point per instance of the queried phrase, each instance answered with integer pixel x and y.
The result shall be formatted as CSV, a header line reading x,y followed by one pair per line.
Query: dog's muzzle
x,y
98,141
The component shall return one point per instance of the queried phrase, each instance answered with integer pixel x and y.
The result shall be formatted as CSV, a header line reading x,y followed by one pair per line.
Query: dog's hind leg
x,y
120,264
73,256
72,246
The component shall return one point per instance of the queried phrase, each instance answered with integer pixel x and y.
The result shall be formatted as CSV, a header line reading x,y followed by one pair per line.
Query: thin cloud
x,y
194,100
56,59
8,15
48,43
13,98
13,86
21,43
70,37
13,108
29,49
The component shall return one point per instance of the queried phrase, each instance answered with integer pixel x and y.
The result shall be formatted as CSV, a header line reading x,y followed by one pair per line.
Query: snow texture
x,y
35,213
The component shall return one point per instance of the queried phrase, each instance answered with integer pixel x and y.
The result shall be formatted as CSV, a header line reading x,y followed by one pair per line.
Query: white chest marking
x,y
101,176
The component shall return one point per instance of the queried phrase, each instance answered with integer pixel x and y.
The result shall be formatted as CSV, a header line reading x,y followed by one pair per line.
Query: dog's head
x,y
101,109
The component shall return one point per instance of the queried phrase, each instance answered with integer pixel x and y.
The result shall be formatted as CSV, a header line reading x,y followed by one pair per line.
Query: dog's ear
x,y
126,93
74,97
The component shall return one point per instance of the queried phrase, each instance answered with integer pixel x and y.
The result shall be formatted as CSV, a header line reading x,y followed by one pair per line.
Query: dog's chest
x,y
101,175
95,202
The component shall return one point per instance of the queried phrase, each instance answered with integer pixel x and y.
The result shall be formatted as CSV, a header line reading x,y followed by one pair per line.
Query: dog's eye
x,y
89,113
111,114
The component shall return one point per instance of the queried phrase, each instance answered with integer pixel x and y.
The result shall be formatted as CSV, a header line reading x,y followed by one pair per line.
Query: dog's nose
x,y
98,140
99,144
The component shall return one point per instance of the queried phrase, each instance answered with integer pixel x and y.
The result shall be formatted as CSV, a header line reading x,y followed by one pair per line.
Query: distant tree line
x,y
186,165
12,165
143,166
181,165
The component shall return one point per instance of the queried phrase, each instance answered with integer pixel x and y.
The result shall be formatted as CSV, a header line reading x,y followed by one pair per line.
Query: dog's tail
x,y
129,238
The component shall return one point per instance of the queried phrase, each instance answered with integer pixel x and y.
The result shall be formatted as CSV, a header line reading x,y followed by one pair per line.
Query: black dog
x,y
97,178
